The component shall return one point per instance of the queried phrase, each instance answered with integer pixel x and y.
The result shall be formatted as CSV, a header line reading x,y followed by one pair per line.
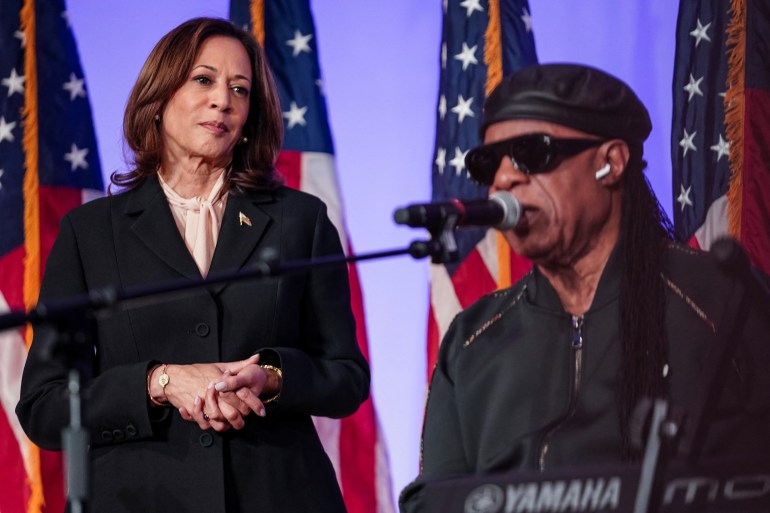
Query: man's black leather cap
x,y
572,95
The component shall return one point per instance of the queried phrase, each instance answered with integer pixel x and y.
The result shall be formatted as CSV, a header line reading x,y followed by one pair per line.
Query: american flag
x,y
48,164
482,41
286,30
721,175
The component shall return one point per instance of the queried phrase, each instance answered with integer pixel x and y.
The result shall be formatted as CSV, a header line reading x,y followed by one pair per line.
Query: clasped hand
x,y
217,395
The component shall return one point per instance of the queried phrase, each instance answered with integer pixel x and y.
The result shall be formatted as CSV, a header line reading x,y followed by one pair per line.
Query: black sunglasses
x,y
531,153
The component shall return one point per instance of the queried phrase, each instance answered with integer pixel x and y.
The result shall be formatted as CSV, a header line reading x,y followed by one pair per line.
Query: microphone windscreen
x,y
511,209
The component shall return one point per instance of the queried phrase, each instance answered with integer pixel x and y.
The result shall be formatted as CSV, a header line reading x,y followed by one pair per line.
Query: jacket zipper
x,y
577,346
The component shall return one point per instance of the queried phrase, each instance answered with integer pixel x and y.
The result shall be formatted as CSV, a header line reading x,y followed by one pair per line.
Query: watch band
x,y
278,371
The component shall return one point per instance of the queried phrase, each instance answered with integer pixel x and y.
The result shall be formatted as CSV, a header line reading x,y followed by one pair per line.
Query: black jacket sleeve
x,y
328,376
115,399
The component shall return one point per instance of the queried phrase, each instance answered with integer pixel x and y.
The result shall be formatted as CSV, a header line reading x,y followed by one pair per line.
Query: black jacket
x,y
144,462
521,384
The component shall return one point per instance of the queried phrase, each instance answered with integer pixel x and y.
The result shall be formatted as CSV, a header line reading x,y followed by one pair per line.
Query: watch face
x,y
163,380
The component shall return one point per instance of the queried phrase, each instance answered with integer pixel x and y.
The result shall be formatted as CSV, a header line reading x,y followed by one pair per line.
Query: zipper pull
x,y
577,331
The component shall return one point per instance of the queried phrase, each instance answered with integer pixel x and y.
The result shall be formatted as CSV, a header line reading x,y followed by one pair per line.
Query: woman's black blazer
x,y
144,460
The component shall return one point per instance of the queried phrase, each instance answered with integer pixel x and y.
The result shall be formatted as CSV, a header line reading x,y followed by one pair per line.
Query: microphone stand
x,y
442,248
108,297
75,445
663,436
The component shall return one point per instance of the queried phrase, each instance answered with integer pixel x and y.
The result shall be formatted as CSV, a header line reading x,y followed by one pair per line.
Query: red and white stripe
x,y
354,444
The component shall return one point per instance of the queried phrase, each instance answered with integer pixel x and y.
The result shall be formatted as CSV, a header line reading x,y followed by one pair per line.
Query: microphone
x,y
501,210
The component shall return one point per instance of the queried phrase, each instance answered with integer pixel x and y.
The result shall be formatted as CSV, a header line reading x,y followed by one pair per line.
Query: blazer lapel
x,y
154,225
242,228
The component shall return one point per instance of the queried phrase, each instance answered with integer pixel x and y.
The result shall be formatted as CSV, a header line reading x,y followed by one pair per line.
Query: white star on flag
x,y
463,107
693,87
700,33
295,115
470,6
1,177
300,43
467,56
75,87
5,130
443,55
14,83
722,148
684,197
440,160
527,19
66,16
442,107
21,36
458,162
686,142
77,157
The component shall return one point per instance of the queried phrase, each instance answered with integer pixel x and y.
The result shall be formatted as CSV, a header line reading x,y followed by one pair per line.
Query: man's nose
x,y
508,175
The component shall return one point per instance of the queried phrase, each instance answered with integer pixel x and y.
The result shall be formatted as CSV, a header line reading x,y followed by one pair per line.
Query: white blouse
x,y
199,220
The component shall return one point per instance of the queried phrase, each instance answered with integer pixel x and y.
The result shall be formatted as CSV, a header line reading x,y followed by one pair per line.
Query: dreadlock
x,y
645,233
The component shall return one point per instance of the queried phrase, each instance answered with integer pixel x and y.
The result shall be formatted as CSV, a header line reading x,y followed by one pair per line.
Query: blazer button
x,y
131,430
118,435
202,329
206,440
107,435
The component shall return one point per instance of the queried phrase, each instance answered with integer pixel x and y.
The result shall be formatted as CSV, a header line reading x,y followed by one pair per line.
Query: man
x,y
548,372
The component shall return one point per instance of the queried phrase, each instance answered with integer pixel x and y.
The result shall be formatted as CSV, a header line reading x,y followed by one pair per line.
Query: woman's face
x,y
205,116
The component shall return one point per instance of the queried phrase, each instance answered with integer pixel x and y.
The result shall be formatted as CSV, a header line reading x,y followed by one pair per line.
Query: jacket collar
x,y
542,293
154,225
243,226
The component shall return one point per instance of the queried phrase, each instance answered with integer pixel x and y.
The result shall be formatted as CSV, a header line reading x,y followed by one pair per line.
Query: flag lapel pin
x,y
242,219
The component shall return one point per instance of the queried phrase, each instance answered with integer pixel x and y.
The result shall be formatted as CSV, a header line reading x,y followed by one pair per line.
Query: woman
x,y
203,402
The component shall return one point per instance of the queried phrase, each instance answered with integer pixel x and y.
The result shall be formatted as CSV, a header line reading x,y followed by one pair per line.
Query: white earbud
x,y
601,173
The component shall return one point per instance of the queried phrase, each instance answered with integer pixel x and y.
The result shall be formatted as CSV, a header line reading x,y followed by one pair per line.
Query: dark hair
x,y
646,232
166,70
